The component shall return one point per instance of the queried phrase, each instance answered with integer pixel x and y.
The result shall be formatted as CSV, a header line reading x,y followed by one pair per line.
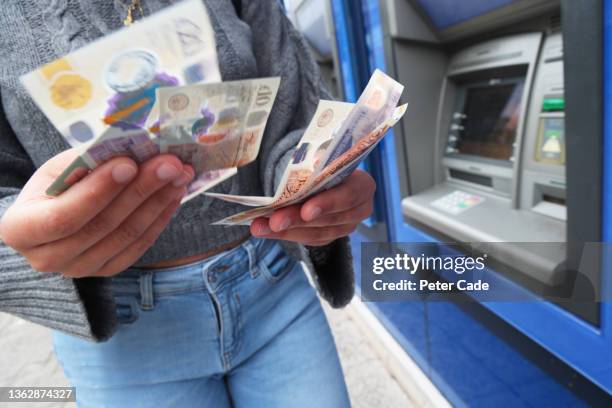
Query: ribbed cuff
x,y
82,307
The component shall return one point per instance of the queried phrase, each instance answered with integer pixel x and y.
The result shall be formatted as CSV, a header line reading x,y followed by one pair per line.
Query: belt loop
x,y
252,253
146,290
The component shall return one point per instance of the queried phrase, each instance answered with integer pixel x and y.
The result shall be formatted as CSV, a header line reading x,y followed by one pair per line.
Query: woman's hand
x,y
103,223
323,218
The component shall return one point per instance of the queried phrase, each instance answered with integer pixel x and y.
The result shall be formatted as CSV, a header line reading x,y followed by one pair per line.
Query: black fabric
x,y
333,264
99,302
238,6
16,168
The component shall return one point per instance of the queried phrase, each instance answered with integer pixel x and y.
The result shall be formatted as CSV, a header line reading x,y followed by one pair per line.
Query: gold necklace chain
x,y
134,7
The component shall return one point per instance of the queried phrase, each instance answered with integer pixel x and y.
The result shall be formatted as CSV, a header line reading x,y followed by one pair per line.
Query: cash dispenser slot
x,y
502,155
479,179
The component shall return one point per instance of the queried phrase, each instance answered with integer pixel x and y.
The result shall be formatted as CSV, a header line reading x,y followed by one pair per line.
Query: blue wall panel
x,y
471,363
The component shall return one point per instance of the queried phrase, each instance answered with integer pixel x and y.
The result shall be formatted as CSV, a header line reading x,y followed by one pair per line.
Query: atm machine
x,y
504,142
499,152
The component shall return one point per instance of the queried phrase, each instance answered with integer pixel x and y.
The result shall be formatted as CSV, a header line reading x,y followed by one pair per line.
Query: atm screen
x,y
489,120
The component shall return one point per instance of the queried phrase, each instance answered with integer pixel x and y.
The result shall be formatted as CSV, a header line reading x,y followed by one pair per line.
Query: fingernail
x,y
285,224
167,171
122,173
264,229
183,180
315,212
188,168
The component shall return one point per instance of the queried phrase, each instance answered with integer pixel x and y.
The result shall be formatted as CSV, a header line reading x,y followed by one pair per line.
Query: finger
x,y
46,219
288,218
88,251
133,252
260,227
153,176
358,188
117,212
306,235
131,230
284,218
353,216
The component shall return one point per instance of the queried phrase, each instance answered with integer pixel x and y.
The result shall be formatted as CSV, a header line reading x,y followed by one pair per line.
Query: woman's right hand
x,y
103,223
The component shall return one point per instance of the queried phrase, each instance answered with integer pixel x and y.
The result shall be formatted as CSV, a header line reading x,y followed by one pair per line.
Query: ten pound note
x,y
336,141
215,126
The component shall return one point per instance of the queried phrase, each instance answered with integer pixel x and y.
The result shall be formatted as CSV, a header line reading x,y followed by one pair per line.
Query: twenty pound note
x,y
112,82
330,149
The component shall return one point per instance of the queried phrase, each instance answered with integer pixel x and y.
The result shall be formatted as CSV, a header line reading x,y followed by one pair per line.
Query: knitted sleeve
x,y
281,51
74,306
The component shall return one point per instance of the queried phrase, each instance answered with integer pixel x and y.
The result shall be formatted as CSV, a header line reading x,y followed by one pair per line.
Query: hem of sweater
x,y
69,305
223,236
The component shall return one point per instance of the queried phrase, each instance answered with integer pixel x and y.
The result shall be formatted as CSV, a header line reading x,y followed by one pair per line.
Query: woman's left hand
x,y
324,217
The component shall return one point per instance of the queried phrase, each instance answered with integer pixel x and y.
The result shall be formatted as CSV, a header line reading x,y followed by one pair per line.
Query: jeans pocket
x,y
127,309
278,267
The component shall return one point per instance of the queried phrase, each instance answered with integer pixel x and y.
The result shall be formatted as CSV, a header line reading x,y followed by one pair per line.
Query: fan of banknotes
x,y
162,94
336,141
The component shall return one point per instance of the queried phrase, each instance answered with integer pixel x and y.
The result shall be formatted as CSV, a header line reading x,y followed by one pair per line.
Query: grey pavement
x,y
27,359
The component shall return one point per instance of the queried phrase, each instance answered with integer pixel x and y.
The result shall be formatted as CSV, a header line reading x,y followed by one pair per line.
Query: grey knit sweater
x,y
255,41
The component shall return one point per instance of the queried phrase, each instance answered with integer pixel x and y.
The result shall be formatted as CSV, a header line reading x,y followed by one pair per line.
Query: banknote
x,y
375,104
331,175
342,167
210,126
103,97
112,82
346,124
216,126
328,116
136,144
206,181
338,138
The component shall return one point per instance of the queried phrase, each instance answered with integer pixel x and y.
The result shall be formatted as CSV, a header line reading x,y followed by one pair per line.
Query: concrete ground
x,y
27,359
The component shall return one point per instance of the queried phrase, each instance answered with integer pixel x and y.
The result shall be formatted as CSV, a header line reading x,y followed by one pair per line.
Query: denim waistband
x,y
210,273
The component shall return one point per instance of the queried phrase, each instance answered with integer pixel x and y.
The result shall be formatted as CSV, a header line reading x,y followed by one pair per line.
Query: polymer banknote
x,y
300,187
316,138
103,97
207,180
216,126
330,148
334,129
209,126
376,103
112,82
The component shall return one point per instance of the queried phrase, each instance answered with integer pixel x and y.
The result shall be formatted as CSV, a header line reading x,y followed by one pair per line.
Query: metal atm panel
x,y
391,45
491,188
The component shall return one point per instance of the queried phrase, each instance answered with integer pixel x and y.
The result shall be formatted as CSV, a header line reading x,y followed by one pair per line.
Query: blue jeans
x,y
244,329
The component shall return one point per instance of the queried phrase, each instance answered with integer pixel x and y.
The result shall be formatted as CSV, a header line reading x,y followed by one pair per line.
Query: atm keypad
x,y
457,202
